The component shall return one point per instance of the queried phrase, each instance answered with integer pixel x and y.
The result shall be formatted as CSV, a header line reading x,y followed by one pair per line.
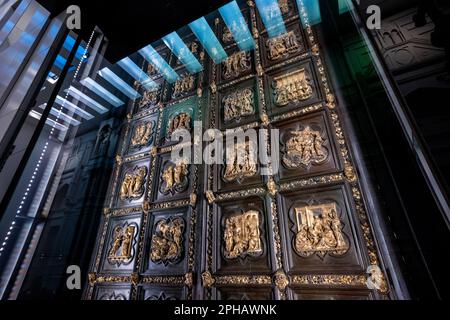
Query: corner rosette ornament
x,y
281,280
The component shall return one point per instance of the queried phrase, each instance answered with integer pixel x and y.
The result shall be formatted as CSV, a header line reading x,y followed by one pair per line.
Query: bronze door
x,y
193,231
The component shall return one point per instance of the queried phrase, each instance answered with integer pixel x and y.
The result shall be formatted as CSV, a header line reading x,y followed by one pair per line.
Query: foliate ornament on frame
x,y
121,250
282,46
238,104
133,184
142,134
303,148
174,178
291,88
179,121
167,241
236,64
240,162
319,230
242,235
184,85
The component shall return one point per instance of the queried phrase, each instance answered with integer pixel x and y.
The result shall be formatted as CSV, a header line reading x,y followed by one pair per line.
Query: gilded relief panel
x,y
142,134
167,242
149,99
132,182
173,179
240,169
320,234
119,253
238,64
286,46
178,116
307,147
238,105
186,85
292,88
240,237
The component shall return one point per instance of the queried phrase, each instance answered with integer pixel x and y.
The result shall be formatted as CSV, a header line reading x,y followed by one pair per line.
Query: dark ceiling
x,y
132,24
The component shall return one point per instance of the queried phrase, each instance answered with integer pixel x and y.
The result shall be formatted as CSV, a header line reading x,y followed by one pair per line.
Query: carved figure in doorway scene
x,y
242,235
319,230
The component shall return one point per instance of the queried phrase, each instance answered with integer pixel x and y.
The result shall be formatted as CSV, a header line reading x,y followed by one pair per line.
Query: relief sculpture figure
x,y
132,187
283,45
149,98
122,245
238,104
167,241
240,162
319,230
304,148
185,84
236,64
292,87
242,235
180,121
142,134
174,179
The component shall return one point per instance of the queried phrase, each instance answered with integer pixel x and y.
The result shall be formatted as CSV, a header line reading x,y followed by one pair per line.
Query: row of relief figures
x,y
302,148
290,88
319,230
237,65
